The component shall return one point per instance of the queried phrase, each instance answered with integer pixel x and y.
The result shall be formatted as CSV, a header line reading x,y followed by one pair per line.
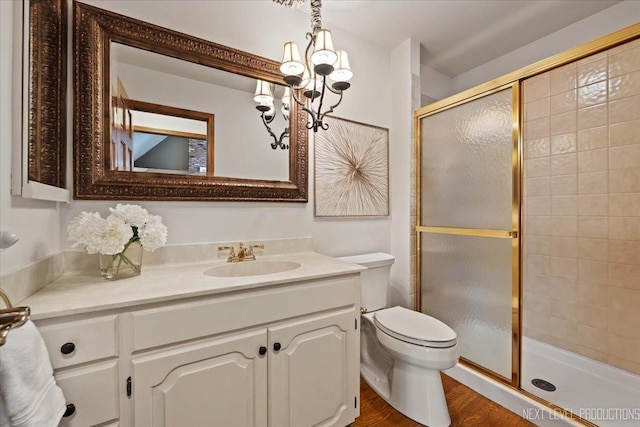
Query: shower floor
x,y
595,391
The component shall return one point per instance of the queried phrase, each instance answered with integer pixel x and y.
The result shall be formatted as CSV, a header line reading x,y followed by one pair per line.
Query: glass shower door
x,y
468,213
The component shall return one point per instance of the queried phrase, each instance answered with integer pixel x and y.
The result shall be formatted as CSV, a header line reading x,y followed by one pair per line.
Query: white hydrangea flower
x,y
82,226
134,215
98,235
154,234
112,236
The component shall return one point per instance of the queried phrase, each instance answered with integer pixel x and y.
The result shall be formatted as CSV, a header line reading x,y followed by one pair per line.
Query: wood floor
x,y
466,407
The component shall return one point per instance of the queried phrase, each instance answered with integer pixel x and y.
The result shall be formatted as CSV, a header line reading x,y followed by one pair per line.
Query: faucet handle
x,y
251,247
249,251
227,248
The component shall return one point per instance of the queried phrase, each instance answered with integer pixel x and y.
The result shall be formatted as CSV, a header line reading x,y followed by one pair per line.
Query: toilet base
x,y
379,383
406,376
418,393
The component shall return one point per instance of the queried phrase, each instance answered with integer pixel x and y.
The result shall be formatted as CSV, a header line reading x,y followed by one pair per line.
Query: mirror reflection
x,y
165,139
163,119
268,112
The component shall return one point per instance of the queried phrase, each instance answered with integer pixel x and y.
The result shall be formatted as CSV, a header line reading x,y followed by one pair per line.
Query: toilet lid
x,y
414,327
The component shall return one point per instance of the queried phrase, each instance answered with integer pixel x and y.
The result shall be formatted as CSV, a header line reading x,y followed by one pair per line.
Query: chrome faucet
x,y
244,254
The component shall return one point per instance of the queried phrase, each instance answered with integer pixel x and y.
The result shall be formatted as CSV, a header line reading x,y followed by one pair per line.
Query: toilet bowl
x,y
403,351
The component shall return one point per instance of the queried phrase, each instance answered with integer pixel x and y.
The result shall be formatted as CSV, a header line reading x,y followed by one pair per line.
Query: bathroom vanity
x,y
176,347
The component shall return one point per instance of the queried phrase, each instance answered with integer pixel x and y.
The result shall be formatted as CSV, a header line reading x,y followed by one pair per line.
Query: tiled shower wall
x,y
581,201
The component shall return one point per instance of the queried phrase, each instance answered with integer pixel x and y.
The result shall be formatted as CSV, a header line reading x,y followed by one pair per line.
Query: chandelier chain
x,y
316,17
290,3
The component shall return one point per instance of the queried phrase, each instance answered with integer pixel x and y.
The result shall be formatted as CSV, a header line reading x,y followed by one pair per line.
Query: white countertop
x,y
83,293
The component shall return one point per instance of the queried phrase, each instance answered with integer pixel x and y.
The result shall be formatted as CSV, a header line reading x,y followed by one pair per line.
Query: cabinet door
x,y
311,377
92,390
221,382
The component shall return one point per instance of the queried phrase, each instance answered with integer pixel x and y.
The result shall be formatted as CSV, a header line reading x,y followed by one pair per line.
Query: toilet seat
x,y
414,327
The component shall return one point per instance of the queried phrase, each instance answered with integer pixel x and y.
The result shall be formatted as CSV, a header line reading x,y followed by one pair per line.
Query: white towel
x,y
29,395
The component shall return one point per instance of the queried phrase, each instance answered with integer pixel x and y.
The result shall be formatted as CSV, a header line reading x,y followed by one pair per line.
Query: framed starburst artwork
x,y
351,169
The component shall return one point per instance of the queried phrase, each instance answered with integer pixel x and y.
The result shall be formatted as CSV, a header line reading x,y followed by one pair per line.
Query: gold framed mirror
x,y
98,34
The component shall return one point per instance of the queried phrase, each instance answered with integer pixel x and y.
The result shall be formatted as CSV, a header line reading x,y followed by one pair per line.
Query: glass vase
x,y
127,263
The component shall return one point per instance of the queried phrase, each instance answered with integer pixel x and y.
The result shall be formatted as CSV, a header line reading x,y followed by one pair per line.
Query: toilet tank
x,y
374,282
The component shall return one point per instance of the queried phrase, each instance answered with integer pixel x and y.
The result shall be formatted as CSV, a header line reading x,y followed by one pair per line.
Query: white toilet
x,y
402,351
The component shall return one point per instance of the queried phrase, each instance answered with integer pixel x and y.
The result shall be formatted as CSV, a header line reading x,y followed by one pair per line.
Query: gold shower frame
x,y
513,80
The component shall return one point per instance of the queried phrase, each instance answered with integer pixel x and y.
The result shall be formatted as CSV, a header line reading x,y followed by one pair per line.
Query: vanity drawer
x,y
80,341
92,391
205,317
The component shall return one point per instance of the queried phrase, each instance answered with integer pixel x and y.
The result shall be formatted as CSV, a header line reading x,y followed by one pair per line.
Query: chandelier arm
x,y
295,98
311,113
324,86
330,110
282,145
268,120
337,92
307,60
311,38
304,106
274,144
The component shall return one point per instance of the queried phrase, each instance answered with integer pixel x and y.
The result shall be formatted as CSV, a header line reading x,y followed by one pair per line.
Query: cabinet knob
x,y
262,351
71,409
67,348
277,346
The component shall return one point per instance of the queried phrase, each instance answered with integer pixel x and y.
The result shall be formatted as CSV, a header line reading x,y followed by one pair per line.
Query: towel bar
x,y
11,317
6,299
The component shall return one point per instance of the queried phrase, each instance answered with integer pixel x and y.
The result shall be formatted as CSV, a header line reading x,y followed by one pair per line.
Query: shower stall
x,y
528,228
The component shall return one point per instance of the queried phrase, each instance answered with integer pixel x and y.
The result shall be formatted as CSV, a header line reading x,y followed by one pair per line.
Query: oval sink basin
x,y
251,268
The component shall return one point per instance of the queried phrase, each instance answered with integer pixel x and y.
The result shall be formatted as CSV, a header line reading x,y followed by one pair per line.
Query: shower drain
x,y
542,384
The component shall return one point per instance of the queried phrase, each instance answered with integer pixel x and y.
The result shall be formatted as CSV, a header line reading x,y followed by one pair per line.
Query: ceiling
x,y
456,35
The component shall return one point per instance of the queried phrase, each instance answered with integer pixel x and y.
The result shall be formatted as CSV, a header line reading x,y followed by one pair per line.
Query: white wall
x,y
405,60
262,27
612,19
433,84
37,223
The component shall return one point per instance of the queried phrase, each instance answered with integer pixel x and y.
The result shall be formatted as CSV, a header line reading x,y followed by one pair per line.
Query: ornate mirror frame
x,y
39,156
94,30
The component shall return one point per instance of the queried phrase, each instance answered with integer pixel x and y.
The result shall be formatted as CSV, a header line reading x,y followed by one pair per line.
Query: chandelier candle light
x,y
321,62
266,106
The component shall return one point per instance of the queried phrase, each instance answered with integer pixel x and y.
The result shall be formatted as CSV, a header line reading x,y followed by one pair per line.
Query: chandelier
x,y
323,70
264,96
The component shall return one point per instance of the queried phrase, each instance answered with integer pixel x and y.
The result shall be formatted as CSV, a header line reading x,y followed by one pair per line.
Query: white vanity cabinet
x,y
311,371
297,373
84,355
217,382
283,355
